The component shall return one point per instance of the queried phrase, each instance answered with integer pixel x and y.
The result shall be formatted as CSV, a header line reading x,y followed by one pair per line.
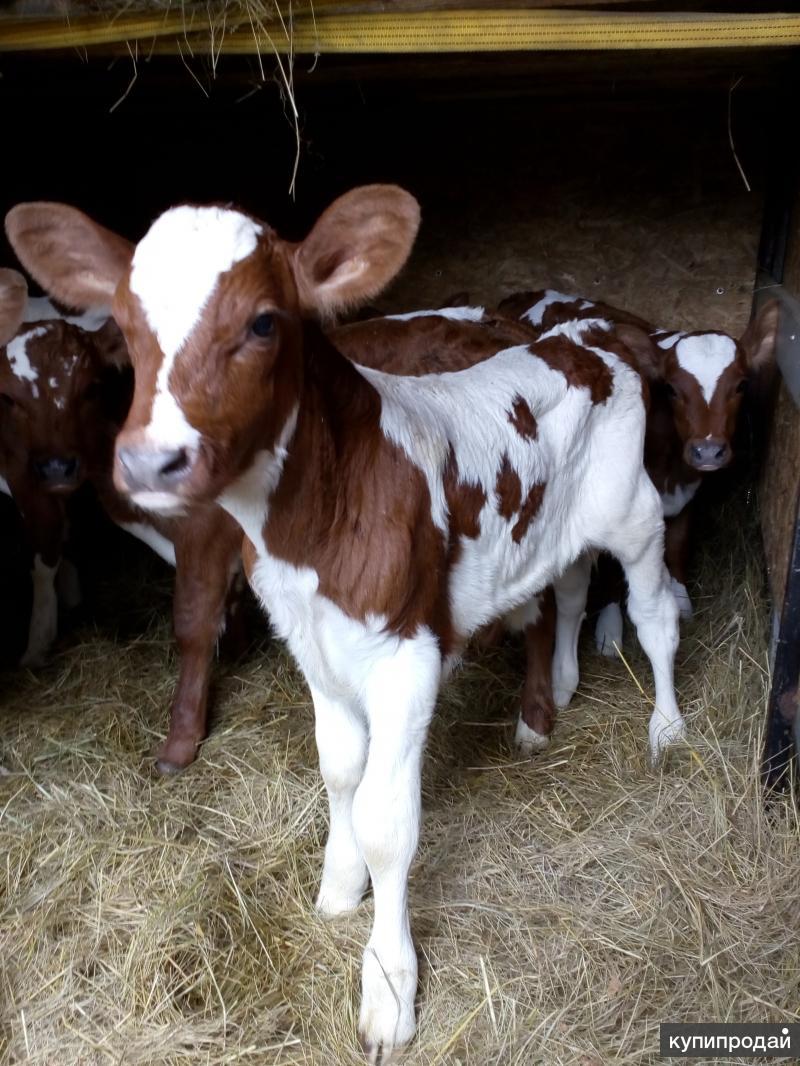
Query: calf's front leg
x,y
399,698
43,520
341,734
206,558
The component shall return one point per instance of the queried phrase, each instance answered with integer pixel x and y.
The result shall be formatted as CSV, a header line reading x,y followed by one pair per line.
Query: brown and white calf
x,y
63,398
56,374
386,517
696,381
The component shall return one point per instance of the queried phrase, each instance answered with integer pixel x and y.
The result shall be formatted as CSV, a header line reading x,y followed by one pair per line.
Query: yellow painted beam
x,y
415,32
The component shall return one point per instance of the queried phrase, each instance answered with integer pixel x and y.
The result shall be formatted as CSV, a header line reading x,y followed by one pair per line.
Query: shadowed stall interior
x,y
562,905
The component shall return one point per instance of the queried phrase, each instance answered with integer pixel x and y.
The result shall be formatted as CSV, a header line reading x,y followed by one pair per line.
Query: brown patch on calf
x,y
510,502
581,368
508,489
430,344
361,514
521,418
528,511
465,501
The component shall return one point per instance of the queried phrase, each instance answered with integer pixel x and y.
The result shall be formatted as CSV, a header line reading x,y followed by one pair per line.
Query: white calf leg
x,y
571,590
654,612
400,695
44,613
342,745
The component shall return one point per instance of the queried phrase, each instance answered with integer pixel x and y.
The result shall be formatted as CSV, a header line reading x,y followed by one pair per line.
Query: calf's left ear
x,y
73,258
13,298
355,248
758,340
648,356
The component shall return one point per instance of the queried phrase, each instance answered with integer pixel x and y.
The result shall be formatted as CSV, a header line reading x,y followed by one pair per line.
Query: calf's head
x,y
53,392
704,375
211,303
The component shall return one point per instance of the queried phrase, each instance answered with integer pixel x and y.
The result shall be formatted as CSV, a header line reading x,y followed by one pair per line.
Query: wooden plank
x,y
780,481
432,31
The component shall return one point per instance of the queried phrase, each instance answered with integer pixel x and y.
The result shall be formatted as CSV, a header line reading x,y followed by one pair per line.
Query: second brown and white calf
x,y
386,517
696,381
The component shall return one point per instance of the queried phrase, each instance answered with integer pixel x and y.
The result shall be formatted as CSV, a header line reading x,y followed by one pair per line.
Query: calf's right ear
x,y
72,257
13,298
649,358
355,248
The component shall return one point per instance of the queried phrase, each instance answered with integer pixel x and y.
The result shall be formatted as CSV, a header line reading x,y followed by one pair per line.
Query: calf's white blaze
x,y
705,358
175,269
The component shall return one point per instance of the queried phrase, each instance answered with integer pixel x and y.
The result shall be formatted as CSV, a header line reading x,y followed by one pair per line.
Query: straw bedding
x,y
562,906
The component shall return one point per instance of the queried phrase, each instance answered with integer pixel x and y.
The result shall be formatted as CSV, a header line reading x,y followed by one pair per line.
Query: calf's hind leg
x,y
537,713
571,590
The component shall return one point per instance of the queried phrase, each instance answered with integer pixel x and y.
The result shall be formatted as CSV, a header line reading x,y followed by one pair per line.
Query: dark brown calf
x,y
63,396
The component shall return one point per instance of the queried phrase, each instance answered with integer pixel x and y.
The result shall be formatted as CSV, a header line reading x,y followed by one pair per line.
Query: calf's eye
x,y
263,325
742,386
670,390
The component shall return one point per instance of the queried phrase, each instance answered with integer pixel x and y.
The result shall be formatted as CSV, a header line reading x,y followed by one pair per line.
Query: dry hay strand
x,y
562,905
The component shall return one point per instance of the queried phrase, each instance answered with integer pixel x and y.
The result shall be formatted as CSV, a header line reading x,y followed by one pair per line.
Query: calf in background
x,y
697,379
65,390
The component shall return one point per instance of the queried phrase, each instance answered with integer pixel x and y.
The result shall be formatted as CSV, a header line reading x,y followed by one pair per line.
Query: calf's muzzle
x,y
58,473
711,453
143,468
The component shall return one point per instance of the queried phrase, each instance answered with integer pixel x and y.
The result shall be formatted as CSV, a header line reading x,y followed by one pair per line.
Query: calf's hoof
x,y
663,734
175,755
529,740
386,1021
34,659
334,900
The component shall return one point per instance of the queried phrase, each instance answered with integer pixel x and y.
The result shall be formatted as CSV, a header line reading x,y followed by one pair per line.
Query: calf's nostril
x,y
174,463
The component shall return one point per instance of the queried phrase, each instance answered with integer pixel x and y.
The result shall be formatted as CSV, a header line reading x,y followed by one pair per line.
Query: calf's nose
x,y
58,470
147,469
709,454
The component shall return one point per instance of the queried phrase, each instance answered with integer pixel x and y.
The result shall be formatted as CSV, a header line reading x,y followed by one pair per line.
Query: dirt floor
x,y
561,905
